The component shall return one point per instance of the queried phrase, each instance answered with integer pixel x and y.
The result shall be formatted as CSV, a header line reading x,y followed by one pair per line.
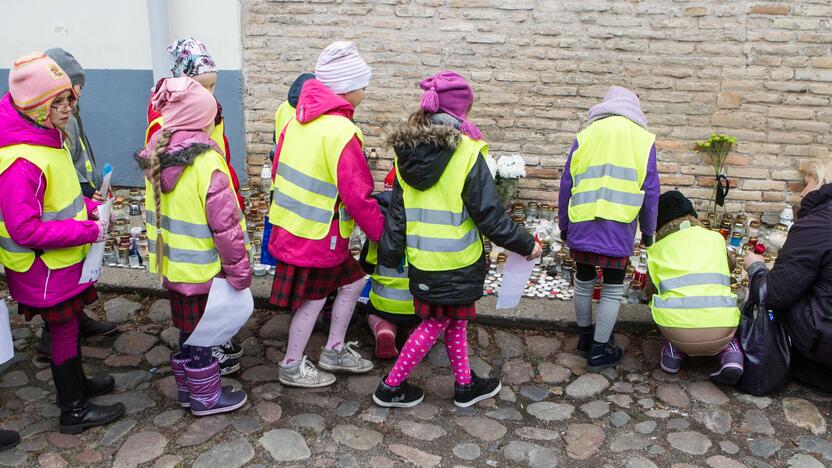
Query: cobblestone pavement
x,y
550,412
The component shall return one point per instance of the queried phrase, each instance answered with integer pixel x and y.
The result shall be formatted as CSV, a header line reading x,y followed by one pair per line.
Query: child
x,y
390,303
693,305
189,57
443,197
46,227
322,186
79,148
609,181
194,220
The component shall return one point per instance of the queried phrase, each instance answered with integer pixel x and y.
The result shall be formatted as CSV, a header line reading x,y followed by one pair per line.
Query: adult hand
x,y
536,252
751,258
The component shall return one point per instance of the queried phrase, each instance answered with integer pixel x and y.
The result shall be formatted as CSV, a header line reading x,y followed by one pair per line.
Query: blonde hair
x,y
820,169
156,181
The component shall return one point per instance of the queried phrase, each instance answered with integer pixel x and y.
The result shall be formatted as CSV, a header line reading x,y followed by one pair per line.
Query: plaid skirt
x,y
454,312
185,311
293,285
594,259
60,313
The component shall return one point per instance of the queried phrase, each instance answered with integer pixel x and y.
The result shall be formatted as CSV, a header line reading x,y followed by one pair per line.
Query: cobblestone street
x,y
550,412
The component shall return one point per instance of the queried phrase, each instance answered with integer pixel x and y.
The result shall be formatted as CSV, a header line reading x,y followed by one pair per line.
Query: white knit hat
x,y
341,69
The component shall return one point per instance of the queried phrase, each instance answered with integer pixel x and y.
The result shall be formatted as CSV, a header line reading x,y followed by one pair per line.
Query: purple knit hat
x,y
448,92
619,101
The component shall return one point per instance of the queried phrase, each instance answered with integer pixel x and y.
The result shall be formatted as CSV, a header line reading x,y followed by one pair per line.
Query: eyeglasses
x,y
68,104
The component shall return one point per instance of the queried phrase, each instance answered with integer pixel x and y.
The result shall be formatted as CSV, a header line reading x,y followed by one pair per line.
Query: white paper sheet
x,y
6,346
516,274
226,311
91,270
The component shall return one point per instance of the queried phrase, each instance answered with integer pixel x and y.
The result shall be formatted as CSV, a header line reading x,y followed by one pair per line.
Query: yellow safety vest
x,y
306,182
440,233
690,271
391,290
217,135
285,112
189,252
62,200
608,171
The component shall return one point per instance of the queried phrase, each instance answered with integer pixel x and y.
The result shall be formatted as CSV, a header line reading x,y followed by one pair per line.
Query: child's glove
x,y
647,240
102,230
400,268
563,236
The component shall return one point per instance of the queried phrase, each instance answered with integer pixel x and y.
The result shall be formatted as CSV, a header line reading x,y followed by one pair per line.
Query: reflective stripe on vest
x,y
306,179
690,270
608,170
62,200
391,290
440,233
189,254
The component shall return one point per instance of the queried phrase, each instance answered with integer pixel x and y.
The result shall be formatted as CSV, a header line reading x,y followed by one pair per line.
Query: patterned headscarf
x,y
189,57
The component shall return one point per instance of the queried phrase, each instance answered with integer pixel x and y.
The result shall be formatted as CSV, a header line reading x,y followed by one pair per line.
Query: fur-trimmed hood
x,y
423,152
180,154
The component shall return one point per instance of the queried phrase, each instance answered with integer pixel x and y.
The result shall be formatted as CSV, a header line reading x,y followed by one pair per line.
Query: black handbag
x,y
767,346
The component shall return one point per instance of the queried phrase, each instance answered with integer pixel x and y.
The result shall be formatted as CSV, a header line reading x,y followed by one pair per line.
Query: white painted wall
x,y
114,34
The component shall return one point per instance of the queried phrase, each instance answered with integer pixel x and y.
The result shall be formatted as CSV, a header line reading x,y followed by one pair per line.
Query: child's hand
x,y
102,230
538,250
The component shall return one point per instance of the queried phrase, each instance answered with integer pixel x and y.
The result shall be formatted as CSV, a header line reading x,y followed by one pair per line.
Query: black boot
x,y
97,385
603,355
585,340
77,413
89,327
8,440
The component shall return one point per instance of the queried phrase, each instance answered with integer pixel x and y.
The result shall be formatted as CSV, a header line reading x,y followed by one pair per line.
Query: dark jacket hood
x,y
423,152
814,199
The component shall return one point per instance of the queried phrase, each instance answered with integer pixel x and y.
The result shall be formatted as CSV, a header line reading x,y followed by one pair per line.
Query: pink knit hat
x,y
448,92
184,104
35,80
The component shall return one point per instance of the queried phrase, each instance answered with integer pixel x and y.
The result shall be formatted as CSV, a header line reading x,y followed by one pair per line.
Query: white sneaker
x,y
346,360
304,374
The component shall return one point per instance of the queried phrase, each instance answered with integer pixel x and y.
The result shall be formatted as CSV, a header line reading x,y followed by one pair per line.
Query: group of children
x,y
424,248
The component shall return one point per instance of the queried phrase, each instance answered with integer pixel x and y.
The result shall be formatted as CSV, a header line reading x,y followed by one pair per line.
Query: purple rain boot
x,y
206,395
730,364
177,364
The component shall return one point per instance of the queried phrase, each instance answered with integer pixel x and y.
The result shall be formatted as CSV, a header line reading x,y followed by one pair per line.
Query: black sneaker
x,y
8,440
227,365
479,389
603,355
403,396
231,349
585,340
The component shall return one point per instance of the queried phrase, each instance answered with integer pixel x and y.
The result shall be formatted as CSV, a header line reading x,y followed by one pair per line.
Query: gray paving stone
x,y
285,445
534,393
170,336
421,431
553,373
203,430
358,438
674,395
756,422
708,393
629,441
233,454
639,462
543,346
507,394
678,424
482,428
120,310
158,355
467,451
548,411
690,442
480,367
117,430
310,421
375,414
800,460
415,456
12,458
140,447
717,420
160,311
511,346
168,418
130,380
729,447
815,445
587,386
619,418
15,378
347,408
595,409
583,440
134,343
721,461
246,424
537,433
505,414
764,447
530,454
31,394
134,401
804,414
645,427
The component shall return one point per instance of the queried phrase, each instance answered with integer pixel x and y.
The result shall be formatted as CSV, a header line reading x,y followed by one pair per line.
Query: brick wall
x,y
759,71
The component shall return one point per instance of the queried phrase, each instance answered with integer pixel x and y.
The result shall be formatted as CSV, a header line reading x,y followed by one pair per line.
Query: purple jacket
x,y
21,202
221,208
609,238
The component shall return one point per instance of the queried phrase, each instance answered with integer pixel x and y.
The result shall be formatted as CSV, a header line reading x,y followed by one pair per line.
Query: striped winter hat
x,y
35,80
341,69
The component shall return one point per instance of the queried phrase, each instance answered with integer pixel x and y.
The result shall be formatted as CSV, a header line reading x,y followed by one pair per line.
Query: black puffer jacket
x,y
800,284
423,154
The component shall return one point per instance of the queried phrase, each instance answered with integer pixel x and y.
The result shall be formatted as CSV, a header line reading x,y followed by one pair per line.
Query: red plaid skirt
x,y
60,313
594,259
185,311
293,284
454,312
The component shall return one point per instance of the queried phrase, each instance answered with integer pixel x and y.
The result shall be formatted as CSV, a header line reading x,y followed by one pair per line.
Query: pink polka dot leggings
x,y
422,340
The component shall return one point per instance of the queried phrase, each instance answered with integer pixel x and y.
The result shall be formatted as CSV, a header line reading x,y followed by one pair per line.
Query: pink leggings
x,y
422,340
64,340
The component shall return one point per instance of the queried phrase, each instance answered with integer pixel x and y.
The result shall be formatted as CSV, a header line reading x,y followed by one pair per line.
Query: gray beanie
x,y
68,64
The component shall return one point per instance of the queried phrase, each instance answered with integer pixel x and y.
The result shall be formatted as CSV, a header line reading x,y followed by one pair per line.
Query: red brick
x,y
770,9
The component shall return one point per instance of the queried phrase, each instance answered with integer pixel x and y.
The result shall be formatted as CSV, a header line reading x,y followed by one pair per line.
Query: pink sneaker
x,y
730,364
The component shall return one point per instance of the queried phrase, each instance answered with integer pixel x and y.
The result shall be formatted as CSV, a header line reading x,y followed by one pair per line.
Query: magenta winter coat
x,y
355,185
21,202
221,208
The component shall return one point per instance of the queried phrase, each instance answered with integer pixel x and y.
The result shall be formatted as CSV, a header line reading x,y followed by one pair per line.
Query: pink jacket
x,y
21,202
221,208
355,185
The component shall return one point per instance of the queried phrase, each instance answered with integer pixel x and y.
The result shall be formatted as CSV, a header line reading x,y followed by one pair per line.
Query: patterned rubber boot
x,y
207,397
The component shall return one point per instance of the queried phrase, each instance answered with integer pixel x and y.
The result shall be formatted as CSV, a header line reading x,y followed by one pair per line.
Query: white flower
x,y
511,166
492,165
